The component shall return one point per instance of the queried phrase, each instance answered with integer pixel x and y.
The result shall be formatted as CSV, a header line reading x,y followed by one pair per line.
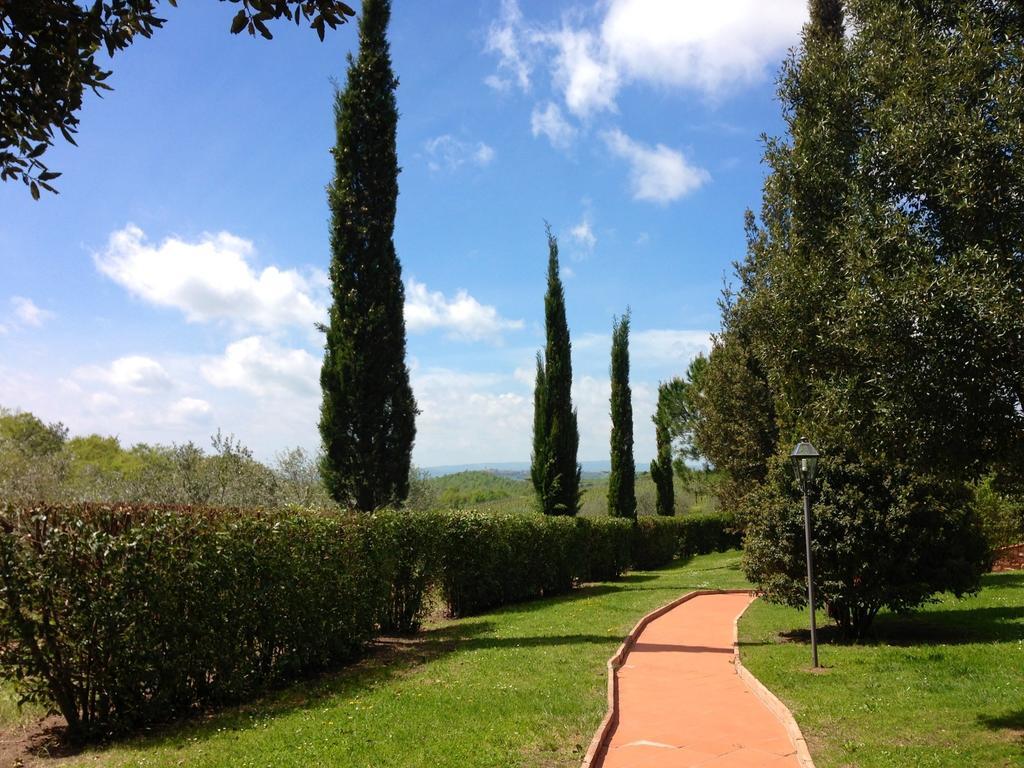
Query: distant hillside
x,y
510,490
476,487
515,469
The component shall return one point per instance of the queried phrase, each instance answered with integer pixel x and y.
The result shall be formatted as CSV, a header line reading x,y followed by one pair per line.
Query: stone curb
x,y
611,718
770,700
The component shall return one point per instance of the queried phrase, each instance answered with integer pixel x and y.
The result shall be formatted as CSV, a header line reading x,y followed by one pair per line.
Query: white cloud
x,y
27,313
463,316
668,347
189,410
583,233
263,367
504,38
471,417
657,174
710,48
589,81
209,279
447,153
550,122
134,373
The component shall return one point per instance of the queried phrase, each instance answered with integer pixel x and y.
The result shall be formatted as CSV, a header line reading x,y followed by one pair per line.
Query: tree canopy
x,y
368,412
879,308
48,58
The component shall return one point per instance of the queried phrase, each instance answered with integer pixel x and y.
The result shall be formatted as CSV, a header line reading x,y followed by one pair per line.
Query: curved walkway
x,y
681,703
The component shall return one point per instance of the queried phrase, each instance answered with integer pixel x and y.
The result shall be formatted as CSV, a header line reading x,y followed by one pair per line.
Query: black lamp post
x,y
805,464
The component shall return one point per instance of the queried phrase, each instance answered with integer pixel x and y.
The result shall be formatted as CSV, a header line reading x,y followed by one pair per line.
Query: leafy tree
x,y
622,480
367,418
878,307
554,469
48,52
661,466
28,434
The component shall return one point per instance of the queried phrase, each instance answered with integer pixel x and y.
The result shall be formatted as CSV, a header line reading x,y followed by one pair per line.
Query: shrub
x,y
488,559
704,533
607,543
1001,515
655,542
124,615
408,544
882,537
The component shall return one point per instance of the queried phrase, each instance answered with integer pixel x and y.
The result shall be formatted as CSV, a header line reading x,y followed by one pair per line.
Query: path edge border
x,y
611,718
770,700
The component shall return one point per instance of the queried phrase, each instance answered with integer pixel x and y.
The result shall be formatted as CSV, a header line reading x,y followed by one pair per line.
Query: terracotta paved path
x,y
681,702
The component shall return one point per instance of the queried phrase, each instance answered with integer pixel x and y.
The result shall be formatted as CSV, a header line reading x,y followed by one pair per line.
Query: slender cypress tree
x,y
661,467
622,480
367,418
555,471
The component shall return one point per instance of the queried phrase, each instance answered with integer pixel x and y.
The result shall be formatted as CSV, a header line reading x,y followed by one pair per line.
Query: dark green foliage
x,y
655,542
883,537
826,18
658,540
49,59
878,309
409,548
608,547
367,418
554,469
122,616
661,466
490,559
622,479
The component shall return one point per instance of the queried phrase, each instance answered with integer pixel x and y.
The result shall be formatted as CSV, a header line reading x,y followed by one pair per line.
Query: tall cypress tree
x,y
367,418
661,467
555,471
622,480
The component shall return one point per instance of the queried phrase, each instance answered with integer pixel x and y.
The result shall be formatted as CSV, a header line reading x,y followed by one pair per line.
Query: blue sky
x,y
171,288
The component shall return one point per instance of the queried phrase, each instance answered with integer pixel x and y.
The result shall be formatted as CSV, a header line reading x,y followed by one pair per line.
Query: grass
x,y
942,688
504,495
523,686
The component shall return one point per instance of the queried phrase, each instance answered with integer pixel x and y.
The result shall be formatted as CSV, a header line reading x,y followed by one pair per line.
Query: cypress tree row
x,y
367,417
554,469
661,467
622,480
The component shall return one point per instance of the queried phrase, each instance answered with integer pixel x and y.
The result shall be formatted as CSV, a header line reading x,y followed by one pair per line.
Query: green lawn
x,y
521,686
943,687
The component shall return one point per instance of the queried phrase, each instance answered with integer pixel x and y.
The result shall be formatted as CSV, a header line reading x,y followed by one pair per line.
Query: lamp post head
x,y
805,461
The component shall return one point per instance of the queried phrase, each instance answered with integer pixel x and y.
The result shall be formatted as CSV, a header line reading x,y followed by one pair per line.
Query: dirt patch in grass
x,y
1009,558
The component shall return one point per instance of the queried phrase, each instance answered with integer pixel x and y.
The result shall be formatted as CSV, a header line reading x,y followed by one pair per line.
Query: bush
x,y
608,547
882,537
488,559
705,533
1001,515
408,544
125,615
655,541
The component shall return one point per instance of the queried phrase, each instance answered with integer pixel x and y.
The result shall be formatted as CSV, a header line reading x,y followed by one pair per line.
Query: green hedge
x,y
609,547
490,559
120,616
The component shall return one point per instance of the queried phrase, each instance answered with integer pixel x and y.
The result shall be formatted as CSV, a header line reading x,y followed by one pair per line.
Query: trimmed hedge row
x,y
119,616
